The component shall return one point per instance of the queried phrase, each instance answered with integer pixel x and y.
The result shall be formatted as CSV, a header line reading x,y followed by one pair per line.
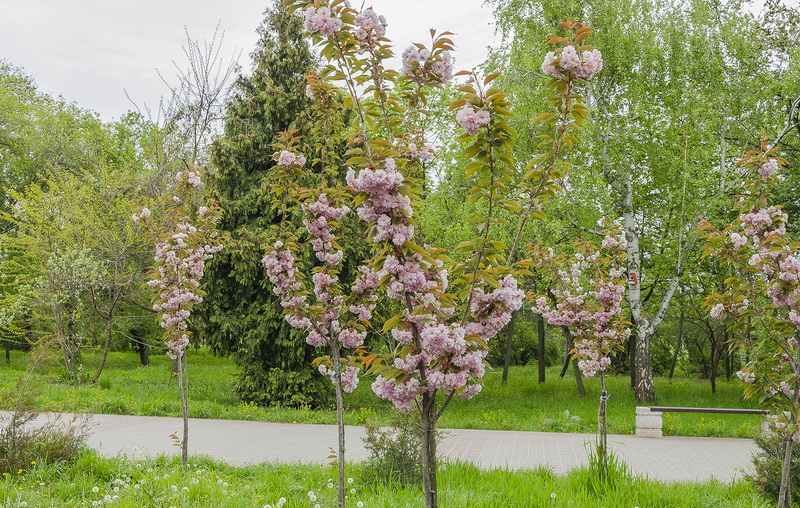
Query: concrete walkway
x,y
245,442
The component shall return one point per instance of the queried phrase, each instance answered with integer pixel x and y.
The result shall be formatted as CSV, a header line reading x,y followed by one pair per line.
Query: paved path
x,y
245,442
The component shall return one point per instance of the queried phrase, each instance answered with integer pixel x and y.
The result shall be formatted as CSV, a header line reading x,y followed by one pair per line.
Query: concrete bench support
x,y
648,423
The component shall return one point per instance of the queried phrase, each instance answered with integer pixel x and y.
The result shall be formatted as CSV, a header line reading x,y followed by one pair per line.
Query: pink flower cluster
x,y
190,177
287,158
144,214
179,266
349,375
386,208
768,169
588,302
320,214
321,20
423,68
324,322
444,357
423,152
472,120
492,311
370,26
582,66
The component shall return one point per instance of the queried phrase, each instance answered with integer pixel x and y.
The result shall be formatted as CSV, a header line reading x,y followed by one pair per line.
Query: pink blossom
x,y
472,120
767,169
321,20
718,312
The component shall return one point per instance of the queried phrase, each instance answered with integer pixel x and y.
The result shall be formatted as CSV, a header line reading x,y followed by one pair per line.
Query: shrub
x,y
767,465
24,442
395,454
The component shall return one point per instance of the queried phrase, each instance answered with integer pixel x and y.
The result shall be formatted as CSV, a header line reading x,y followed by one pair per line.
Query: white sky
x,y
91,51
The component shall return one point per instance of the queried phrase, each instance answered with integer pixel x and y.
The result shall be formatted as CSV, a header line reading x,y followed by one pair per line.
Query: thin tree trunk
x,y
578,378
540,349
337,369
8,352
677,346
570,359
714,361
602,429
509,343
728,358
184,394
565,365
428,415
785,495
106,344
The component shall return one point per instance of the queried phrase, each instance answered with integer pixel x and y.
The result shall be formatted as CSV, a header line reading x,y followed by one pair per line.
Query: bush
x,y
767,463
395,454
24,442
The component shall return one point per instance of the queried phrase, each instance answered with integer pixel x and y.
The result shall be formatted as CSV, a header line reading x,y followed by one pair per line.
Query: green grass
x,y
162,482
522,404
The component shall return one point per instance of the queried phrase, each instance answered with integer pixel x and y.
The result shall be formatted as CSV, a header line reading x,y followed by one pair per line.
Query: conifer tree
x,y
240,314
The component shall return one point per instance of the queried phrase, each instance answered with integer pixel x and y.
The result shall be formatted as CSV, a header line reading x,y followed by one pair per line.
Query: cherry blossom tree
x,y
588,293
761,303
450,307
186,237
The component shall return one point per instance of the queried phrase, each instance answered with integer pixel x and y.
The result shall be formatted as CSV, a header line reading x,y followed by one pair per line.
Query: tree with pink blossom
x,y
331,316
587,299
186,237
761,303
449,308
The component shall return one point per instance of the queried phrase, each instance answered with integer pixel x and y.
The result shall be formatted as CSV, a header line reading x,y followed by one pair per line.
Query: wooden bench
x,y
649,424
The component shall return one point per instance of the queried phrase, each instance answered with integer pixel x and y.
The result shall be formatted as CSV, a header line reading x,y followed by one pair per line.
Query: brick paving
x,y
245,442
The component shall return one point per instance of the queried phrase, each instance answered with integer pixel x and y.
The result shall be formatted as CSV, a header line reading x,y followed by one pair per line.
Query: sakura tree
x,y
761,302
450,307
587,299
186,237
332,316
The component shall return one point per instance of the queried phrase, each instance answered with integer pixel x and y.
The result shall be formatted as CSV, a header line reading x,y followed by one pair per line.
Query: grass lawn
x,y
162,483
523,404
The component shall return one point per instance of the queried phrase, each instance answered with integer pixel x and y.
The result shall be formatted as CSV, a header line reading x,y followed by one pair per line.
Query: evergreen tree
x,y
240,314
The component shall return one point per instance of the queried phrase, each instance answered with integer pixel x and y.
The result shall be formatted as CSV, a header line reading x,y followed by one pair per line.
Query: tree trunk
x,y
677,346
569,359
602,430
785,495
8,352
337,369
108,329
428,415
578,378
632,357
184,394
509,343
540,349
728,357
645,390
144,351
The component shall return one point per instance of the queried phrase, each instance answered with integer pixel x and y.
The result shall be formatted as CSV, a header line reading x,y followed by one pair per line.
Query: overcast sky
x,y
92,51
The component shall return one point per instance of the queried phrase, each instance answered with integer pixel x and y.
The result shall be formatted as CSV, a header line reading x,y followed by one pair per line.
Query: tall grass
x,y
162,482
523,404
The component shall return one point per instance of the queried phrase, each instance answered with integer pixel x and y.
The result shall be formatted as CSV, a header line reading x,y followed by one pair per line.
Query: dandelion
x,y
552,495
350,481
95,489
360,504
352,491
